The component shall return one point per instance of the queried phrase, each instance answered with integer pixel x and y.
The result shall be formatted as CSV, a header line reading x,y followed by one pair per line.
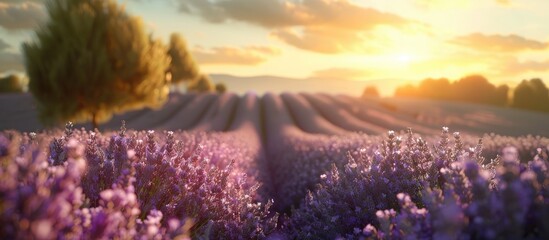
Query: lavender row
x,y
512,205
128,185
297,158
361,198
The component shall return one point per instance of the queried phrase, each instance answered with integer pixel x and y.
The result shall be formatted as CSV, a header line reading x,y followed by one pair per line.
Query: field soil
x,y
311,113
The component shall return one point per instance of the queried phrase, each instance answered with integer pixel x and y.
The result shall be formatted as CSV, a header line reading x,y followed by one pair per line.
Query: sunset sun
x,y
405,58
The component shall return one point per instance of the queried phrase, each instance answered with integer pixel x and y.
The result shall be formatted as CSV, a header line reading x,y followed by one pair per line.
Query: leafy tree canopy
x,y
532,94
91,60
182,66
201,84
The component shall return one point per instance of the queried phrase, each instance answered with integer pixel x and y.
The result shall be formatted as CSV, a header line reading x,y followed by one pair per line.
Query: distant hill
x,y
276,84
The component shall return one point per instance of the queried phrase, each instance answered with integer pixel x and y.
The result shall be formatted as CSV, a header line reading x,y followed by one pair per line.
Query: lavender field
x,y
278,166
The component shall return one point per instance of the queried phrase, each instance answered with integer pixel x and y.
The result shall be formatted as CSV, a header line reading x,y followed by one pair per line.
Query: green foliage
x,y
220,88
90,60
532,94
201,84
182,66
12,84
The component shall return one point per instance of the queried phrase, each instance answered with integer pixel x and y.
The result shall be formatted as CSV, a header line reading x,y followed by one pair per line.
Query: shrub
x,y
220,88
12,84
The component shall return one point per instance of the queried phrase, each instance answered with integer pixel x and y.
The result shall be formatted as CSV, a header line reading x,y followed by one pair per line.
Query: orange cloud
x,y
276,14
326,40
499,43
455,3
325,26
251,55
490,64
17,15
512,66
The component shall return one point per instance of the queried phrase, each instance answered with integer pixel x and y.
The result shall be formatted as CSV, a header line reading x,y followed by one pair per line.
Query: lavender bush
x,y
302,159
434,188
76,184
123,185
514,205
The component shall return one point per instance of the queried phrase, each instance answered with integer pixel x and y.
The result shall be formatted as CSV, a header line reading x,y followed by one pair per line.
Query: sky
x,y
357,40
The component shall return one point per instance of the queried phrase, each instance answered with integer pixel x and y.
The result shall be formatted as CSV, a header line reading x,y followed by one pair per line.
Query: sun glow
x,y
404,58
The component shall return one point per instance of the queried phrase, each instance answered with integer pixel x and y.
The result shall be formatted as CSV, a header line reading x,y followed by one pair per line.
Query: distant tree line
x,y
529,94
532,95
370,91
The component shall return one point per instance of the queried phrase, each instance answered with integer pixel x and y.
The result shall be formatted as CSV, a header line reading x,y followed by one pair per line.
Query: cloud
x,y
17,15
455,3
512,66
251,55
275,13
266,13
9,61
325,26
498,43
3,45
340,73
324,40
456,59
490,64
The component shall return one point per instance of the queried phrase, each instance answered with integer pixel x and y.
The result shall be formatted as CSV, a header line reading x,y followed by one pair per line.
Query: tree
x,y
370,91
472,88
407,90
201,84
475,88
220,88
440,89
502,95
90,60
12,84
532,95
182,66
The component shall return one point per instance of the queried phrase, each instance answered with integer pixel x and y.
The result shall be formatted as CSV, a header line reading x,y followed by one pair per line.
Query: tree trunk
x,y
94,121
